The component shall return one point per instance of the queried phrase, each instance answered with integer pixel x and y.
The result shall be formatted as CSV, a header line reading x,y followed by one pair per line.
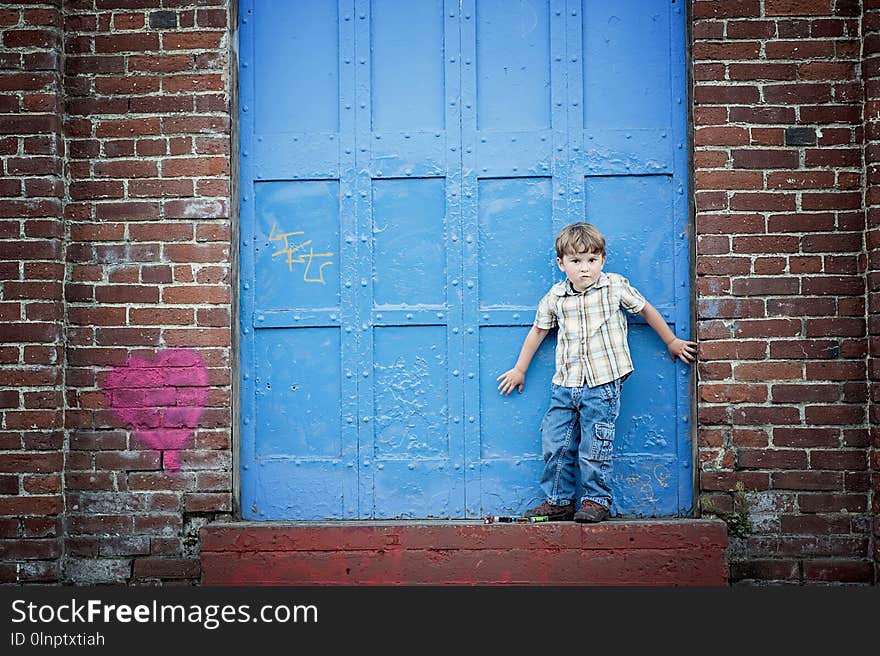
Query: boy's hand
x,y
684,351
511,379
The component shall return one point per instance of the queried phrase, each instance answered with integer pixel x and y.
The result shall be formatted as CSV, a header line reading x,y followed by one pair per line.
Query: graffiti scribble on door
x,y
302,257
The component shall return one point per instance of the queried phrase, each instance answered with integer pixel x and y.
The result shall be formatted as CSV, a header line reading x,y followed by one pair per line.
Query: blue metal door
x,y
405,167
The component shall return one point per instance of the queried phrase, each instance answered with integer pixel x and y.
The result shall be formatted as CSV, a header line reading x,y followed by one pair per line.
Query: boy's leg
x,y
599,408
560,436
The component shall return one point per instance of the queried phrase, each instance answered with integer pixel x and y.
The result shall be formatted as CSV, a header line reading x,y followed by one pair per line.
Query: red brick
x,y
842,285
805,393
127,42
821,502
191,40
807,480
859,571
762,371
799,93
128,127
837,414
835,370
761,415
733,393
730,9
195,166
723,50
854,460
757,286
771,459
193,84
799,49
734,350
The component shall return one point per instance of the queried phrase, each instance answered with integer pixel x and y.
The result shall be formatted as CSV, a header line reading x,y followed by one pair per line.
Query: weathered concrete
x,y
652,552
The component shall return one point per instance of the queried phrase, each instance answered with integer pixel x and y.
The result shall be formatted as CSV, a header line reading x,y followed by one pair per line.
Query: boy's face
x,y
582,269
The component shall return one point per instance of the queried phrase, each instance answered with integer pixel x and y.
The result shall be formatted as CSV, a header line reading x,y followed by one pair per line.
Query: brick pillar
x,y
149,284
31,301
871,74
781,294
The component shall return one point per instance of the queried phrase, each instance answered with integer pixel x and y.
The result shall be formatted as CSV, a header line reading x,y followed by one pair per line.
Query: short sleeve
x,y
631,299
545,317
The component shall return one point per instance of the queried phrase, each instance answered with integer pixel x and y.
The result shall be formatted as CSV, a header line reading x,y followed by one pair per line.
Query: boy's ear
x,y
559,263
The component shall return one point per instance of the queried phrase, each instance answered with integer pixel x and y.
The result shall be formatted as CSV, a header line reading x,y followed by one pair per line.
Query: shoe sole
x,y
590,520
559,517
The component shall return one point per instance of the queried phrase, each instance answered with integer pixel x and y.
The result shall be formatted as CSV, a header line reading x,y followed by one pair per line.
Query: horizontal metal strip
x,y
294,156
297,318
407,154
438,315
526,316
513,154
625,152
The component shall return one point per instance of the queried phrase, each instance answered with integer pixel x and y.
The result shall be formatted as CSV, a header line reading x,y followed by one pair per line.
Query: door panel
x,y
405,167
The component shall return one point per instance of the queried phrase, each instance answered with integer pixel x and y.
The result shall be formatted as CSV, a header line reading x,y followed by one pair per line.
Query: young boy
x,y
592,361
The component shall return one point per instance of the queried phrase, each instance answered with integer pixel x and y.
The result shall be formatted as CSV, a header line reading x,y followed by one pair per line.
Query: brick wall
x,y
871,74
31,282
780,282
148,275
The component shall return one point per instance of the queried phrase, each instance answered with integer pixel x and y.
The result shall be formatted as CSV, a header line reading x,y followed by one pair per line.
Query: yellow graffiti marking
x,y
302,257
662,474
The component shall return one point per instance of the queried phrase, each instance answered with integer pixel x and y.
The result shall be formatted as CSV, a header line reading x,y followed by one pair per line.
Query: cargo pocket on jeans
x,y
600,450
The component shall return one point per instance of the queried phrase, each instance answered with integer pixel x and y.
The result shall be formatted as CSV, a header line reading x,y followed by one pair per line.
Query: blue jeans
x,y
577,433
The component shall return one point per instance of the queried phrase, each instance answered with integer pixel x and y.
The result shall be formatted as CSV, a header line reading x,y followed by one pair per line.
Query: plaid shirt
x,y
591,342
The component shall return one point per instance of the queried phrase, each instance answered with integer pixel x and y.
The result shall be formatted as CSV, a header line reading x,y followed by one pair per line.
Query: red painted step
x,y
651,552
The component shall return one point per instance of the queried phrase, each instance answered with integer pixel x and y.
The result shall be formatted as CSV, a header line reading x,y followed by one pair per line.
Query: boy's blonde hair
x,y
580,238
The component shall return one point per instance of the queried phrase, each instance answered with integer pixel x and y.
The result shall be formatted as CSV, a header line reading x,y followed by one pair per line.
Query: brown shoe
x,y
561,513
590,511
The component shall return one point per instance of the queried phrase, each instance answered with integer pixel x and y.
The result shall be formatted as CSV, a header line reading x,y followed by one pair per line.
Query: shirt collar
x,y
565,287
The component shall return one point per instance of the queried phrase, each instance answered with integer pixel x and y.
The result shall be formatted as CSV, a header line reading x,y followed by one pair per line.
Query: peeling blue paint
x,y
397,235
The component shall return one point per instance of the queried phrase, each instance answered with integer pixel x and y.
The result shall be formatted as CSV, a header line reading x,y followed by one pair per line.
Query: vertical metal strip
x,y
249,474
361,283
561,185
574,52
685,431
348,231
467,287
458,370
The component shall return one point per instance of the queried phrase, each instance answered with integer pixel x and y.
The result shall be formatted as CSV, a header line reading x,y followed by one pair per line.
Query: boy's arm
x,y
516,377
678,348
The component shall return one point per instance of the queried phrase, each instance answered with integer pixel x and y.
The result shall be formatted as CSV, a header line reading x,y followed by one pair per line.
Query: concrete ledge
x,y
652,552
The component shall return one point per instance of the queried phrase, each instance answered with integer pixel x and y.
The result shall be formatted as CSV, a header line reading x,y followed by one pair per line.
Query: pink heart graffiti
x,y
162,400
